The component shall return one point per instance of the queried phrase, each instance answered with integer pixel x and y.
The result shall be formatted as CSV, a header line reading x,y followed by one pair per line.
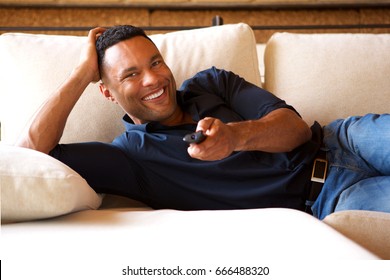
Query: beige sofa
x,y
43,201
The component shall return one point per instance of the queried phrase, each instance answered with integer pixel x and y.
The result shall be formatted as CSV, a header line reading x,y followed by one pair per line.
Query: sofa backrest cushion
x,y
33,66
330,76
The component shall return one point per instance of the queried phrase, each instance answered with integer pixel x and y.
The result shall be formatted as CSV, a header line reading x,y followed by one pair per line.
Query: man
x,y
258,152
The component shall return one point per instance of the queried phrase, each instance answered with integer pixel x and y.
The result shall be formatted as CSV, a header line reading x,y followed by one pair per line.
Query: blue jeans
x,y
358,150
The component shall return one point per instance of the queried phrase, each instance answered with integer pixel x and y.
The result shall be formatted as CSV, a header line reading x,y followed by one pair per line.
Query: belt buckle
x,y
320,167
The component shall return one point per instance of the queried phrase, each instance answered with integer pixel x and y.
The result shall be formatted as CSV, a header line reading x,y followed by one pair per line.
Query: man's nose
x,y
150,78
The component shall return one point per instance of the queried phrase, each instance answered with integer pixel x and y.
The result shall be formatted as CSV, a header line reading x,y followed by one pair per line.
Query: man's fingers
x,y
205,124
96,32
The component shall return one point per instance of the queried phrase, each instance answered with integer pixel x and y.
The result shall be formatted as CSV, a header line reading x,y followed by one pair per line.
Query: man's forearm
x,y
46,127
280,131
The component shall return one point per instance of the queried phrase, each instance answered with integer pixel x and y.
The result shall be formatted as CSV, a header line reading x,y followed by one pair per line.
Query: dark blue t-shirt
x,y
150,163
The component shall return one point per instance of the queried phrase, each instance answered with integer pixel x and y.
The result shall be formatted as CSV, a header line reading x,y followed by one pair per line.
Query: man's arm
x,y
47,125
281,130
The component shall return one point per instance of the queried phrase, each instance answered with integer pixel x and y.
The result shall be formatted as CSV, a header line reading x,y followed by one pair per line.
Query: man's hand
x,y
88,57
219,143
281,130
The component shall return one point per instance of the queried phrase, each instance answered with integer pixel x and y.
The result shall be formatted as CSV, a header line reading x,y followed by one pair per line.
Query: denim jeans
x,y
358,151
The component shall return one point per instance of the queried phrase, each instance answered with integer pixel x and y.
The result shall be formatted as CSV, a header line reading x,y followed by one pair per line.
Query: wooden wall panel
x,y
72,17
84,17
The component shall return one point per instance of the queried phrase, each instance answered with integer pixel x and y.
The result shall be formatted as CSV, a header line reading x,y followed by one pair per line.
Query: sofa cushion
x,y
36,186
37,64
285,240
367,228
329,76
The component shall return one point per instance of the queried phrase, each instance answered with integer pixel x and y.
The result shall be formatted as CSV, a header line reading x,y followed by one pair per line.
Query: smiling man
x,y
258,152
135,76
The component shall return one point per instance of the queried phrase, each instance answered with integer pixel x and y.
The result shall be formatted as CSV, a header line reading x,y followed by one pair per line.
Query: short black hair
x,y
115,35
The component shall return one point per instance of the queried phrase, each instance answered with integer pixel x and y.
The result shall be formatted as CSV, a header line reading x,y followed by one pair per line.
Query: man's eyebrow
x,y
156,56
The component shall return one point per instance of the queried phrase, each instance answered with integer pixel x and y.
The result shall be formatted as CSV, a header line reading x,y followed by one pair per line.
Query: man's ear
x,y
106,92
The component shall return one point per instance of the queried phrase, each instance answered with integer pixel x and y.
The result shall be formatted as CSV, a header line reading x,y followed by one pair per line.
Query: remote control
x,y
195,137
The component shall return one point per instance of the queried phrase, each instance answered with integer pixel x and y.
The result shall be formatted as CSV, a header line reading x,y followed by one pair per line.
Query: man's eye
x,y
156,63
131,75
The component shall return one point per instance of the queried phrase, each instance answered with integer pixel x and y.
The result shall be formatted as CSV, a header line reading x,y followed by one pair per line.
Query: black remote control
x,y
196,137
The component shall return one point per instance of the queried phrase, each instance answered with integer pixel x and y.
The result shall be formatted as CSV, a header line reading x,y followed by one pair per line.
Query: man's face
x,y
137,78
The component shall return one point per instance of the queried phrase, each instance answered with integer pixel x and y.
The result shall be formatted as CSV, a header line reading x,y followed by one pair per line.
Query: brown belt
x,y
317,180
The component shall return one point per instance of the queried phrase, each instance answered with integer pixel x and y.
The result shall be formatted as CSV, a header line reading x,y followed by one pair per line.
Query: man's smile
x,y
154,95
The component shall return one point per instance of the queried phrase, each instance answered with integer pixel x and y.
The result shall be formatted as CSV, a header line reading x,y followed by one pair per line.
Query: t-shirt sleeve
x,y
246,99
104,166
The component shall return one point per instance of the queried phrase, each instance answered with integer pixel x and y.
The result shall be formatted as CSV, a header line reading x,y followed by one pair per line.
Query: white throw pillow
x,y
37,186
33,66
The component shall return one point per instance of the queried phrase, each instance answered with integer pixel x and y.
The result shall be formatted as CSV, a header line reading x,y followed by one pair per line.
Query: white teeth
x,y
154,95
